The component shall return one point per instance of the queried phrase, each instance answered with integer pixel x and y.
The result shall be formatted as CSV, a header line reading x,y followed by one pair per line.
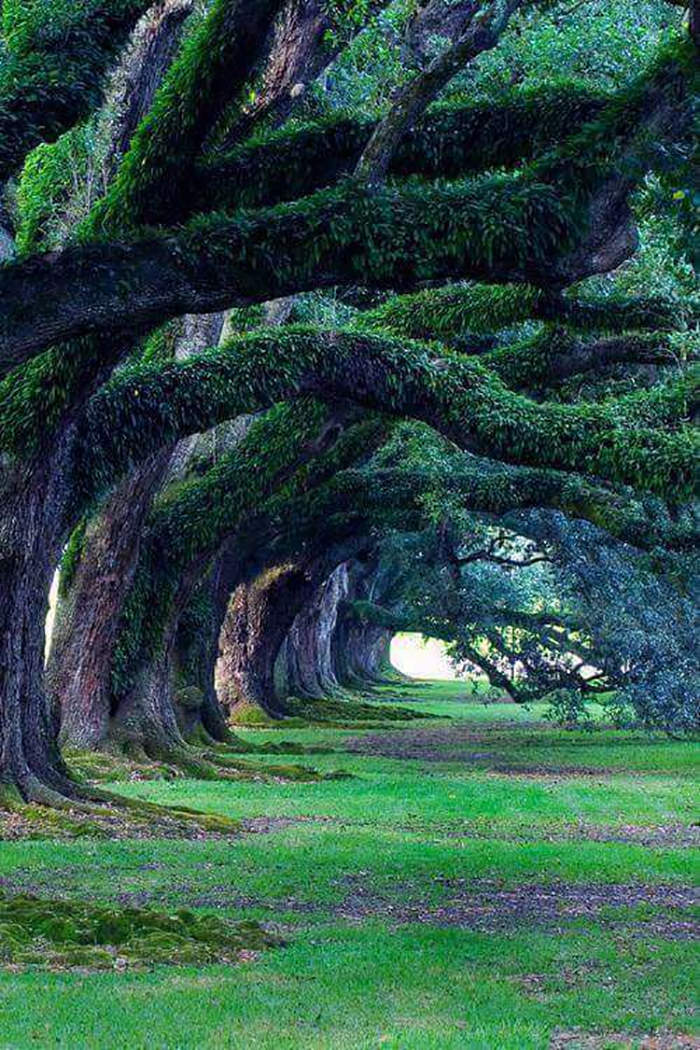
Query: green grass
x,y
401,831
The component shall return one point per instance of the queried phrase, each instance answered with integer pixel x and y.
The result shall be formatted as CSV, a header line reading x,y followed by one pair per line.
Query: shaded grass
x,y
395,801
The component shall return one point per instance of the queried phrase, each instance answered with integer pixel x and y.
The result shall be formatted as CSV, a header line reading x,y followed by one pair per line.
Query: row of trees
x,y
222,295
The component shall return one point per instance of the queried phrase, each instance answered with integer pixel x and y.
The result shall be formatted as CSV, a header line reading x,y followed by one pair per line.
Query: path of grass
x,y
506,882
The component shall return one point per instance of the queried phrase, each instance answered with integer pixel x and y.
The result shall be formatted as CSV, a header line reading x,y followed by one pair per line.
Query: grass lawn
x,y
482,881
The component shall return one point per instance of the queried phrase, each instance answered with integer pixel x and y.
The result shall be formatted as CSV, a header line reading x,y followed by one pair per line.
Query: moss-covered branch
x,y
450,141
146,406
52,74
498,229
455,311
213,66
481,32
564,218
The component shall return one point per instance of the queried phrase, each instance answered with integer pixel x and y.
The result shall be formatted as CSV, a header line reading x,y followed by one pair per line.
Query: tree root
x,y
94,811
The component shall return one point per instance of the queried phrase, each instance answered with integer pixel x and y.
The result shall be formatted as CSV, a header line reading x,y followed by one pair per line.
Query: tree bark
x,y
307,663
359,650
146,719
87,617
31,531
196,651
258,618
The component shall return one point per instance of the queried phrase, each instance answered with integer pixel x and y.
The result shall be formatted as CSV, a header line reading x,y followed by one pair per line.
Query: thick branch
x,y
346,235
450,140
145,407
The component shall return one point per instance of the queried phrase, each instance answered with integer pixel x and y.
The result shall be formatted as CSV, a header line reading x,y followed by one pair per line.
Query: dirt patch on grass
x,y
485,906
222,897
657,836
460,743
268,825
454,743
610,1040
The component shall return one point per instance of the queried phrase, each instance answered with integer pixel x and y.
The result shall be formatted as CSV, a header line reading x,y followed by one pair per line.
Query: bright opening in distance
x,y
420,657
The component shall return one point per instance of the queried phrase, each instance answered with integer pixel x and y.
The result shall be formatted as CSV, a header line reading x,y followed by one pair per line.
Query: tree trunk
x,y
257,620
308,664
162,706
34,499
87,617
146,722
359,651
196,651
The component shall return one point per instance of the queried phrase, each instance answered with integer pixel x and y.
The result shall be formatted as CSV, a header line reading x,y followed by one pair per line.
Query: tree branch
x,y
144,407
53,74
483,32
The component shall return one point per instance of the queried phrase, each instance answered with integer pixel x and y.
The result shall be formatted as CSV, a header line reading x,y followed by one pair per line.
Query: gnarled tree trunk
x,y
146,718
89,611
31,532
87,616
257,620
307,659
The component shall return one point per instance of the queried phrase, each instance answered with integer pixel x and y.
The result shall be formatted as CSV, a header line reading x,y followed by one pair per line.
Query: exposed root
x,y
94,811
330,713
216,763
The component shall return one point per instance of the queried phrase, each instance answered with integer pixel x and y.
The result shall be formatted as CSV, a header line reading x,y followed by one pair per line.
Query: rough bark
x,y
257,620
296,56
201,716
88,614
146,719
153,52
474,35
359,651
306,659
87,618
34,505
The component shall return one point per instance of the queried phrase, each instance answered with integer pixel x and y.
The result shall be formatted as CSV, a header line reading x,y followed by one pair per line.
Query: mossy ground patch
x,y
58,934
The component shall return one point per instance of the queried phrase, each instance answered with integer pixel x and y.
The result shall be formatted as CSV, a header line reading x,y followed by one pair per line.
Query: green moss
x,y
189,697
450,141
72,554
47,180
455,312
60,933
460,396
247,714
52,75
348,712
248,769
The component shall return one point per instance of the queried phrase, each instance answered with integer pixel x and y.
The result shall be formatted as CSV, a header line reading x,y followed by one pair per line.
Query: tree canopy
x,y
294,289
